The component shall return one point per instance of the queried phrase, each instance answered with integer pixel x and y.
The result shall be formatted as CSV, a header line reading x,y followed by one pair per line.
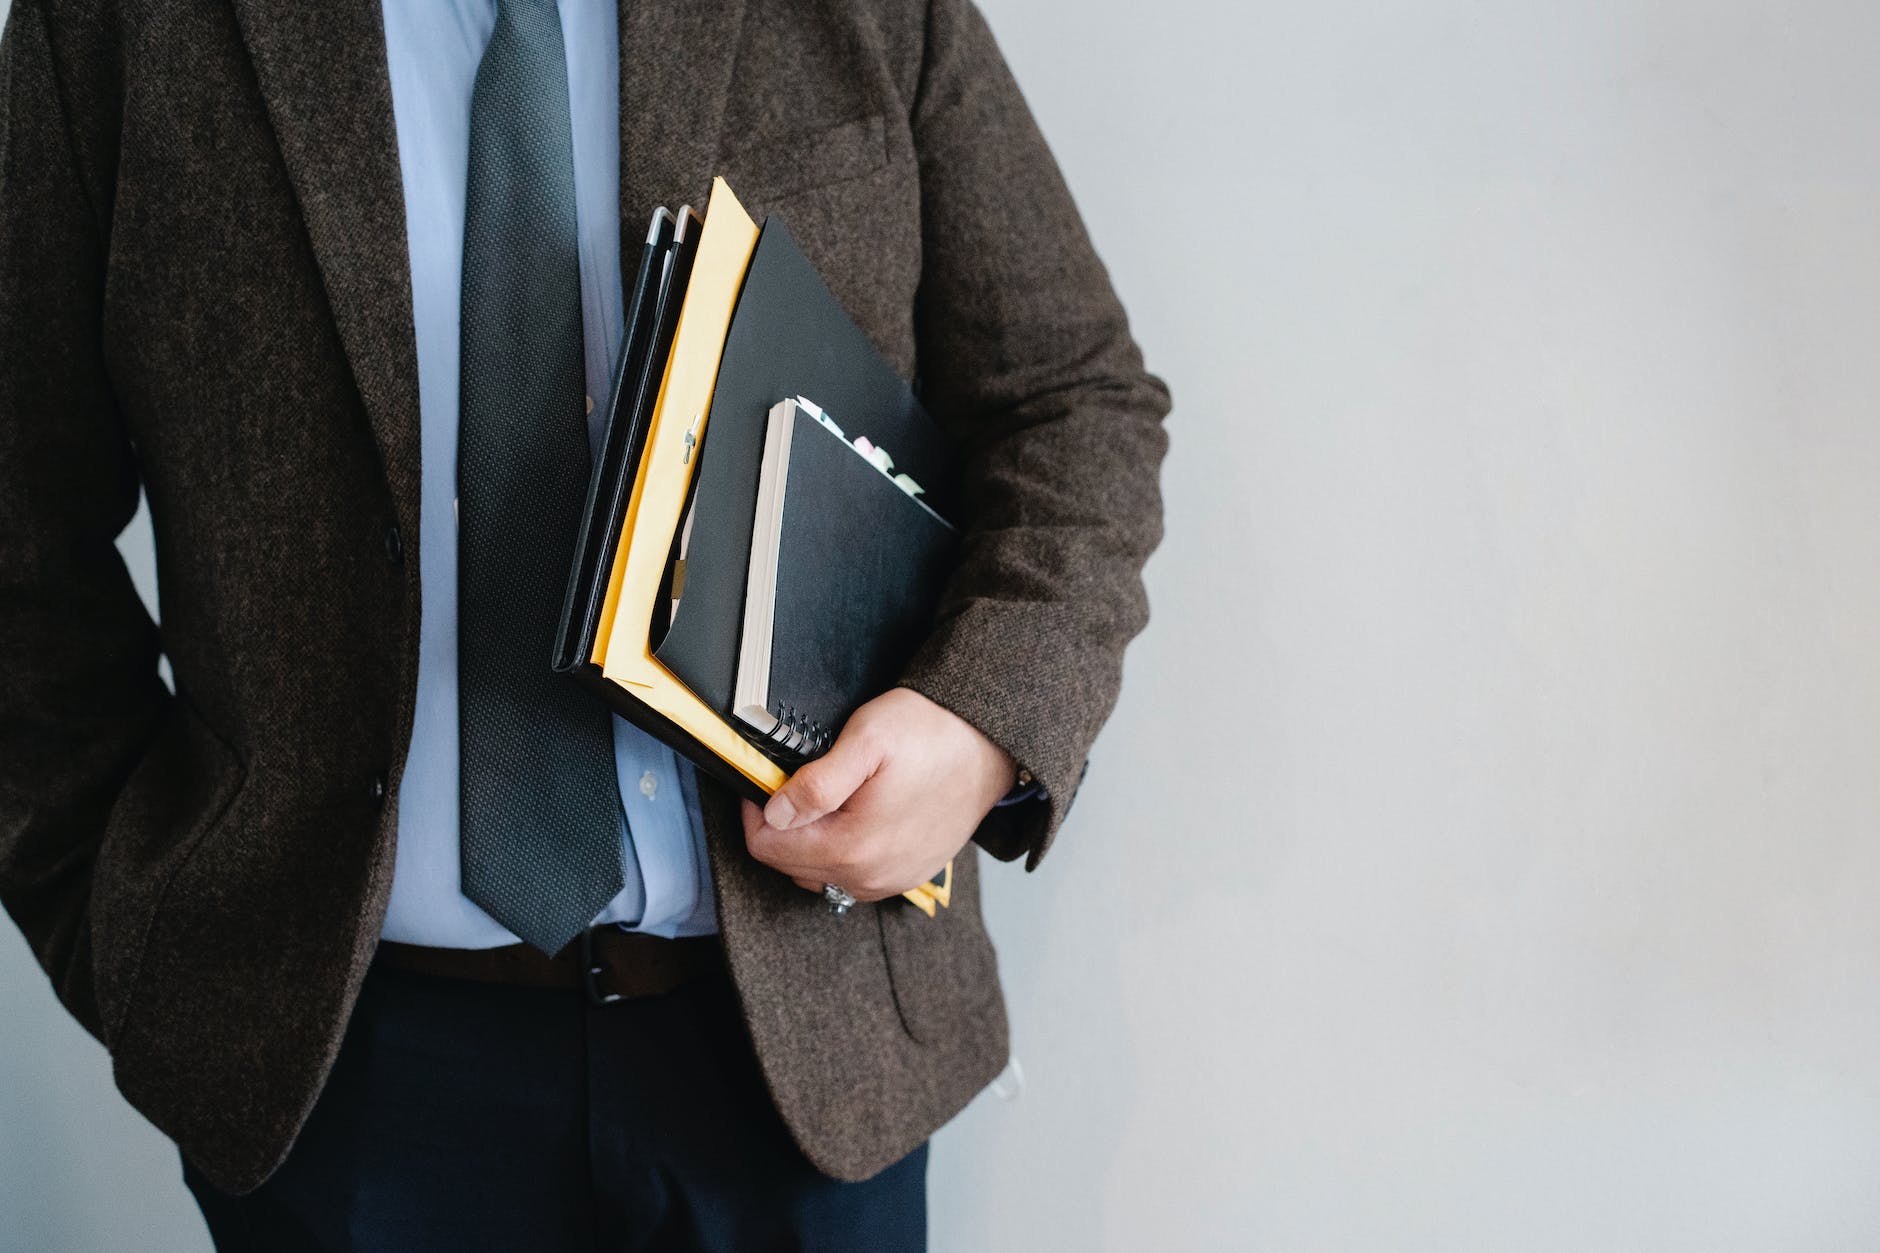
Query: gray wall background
x,y
1482,854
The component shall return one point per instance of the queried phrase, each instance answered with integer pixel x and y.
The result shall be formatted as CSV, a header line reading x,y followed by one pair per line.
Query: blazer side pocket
x,y
942,969
178,794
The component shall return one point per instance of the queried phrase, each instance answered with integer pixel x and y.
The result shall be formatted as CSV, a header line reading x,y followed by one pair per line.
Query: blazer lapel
x,y
676,62
322,72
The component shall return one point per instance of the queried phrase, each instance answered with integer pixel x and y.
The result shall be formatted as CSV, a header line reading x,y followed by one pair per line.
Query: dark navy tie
x,y
541,808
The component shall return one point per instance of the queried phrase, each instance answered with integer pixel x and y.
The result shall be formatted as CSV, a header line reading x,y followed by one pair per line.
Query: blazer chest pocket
x,y
768,170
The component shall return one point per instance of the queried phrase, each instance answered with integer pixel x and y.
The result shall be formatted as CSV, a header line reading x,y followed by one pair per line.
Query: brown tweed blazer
x,y
204,292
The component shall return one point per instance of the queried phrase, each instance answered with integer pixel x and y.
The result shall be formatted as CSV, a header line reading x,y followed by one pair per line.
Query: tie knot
x,y
536,23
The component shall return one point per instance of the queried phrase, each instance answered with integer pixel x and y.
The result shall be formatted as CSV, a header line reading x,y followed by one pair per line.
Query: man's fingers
x,y
823,784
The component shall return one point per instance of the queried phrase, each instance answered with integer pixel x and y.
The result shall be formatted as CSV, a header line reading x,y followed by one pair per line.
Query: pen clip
x,y
691,438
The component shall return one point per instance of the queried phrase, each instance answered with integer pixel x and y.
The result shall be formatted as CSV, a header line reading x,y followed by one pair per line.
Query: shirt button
x,y
376,789
394,545
590,404
649,784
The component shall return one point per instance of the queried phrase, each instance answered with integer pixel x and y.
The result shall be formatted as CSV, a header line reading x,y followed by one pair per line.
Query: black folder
x,y
789,337
652,316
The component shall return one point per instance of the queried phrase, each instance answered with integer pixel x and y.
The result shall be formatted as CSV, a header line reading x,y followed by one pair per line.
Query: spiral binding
x,y
797,733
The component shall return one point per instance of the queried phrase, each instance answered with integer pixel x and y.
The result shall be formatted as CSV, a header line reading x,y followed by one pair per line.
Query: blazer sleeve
x,y
1024,350
79,692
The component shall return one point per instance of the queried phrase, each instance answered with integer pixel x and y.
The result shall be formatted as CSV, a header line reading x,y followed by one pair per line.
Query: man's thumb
x,y
821,785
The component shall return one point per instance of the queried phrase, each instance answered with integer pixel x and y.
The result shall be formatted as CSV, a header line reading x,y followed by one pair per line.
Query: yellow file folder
x,y
659,490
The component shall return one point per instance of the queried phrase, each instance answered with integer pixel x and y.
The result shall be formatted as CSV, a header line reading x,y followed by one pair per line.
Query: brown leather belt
x,y
605,963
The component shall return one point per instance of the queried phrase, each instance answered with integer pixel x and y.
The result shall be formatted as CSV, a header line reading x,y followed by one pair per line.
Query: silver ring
x,y
839,900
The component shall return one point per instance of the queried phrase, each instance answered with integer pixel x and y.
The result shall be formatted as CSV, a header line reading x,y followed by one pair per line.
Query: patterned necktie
x,y
541,809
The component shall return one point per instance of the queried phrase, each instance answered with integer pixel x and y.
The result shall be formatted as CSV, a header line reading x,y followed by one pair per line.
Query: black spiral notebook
x,y
846,565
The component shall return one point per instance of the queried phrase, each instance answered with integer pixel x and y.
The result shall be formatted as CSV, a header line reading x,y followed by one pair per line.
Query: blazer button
x,y
394,545
377,789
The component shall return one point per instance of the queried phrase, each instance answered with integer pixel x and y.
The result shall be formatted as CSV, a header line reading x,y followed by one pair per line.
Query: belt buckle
x,y
591,970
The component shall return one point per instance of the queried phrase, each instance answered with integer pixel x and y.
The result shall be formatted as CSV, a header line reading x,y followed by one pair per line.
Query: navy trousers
x,y
469,1116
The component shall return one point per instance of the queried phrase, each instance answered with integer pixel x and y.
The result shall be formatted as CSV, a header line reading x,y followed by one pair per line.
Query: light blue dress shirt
x,y
433,48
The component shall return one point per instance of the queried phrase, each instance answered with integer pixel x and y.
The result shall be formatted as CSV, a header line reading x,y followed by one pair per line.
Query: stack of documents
x,y
767,529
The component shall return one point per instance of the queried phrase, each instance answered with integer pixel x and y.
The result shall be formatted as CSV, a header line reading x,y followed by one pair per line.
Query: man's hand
x,y
898,794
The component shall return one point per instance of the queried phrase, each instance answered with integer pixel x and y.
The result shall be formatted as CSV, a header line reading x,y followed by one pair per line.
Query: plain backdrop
x,y
1482,854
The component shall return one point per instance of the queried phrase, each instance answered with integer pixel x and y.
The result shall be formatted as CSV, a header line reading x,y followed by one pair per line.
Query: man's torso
x,y
259,340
